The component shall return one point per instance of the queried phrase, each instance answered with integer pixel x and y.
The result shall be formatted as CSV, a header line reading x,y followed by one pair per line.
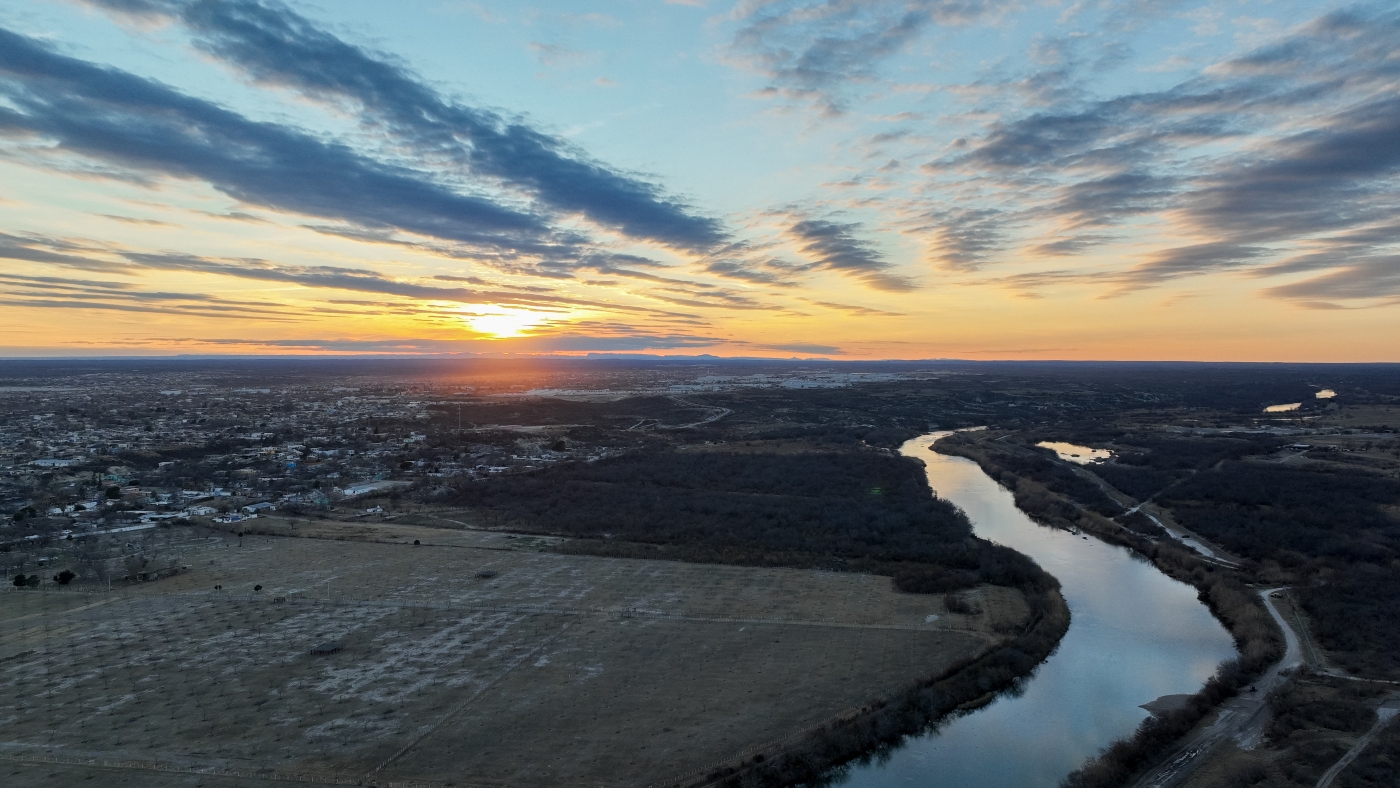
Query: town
x,y
128,449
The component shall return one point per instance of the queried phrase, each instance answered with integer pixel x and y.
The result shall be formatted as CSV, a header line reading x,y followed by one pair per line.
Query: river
x,y
1135,635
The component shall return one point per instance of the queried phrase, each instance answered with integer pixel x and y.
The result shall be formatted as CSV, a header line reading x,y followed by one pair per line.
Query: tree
x,y
114,492
65,577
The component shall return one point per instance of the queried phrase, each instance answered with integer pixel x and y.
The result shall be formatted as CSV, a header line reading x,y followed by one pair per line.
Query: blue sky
x,y
852,179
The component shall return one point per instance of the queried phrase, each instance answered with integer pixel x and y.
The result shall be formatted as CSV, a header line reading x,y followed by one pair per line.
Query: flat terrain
x,y
554,670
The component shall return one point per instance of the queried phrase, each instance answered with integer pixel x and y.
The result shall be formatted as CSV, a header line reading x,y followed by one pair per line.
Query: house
x,y
368,488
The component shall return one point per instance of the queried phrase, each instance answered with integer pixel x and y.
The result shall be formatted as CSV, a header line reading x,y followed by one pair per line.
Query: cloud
x,y
803,347
67,254
560,56
1103,201
1160,266
67,107
759,272
540,344
965,239
859,311
570,343
133,220
49,292
1376,280
121,119
38,249
273,45
365,281
832,246
1287,148
1320,180
816,51
1174,263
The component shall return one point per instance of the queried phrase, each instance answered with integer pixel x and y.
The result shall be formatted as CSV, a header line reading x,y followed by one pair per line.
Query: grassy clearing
x,y
556,669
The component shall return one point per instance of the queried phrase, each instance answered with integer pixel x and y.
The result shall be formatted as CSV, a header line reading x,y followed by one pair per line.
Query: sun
x,y
504,322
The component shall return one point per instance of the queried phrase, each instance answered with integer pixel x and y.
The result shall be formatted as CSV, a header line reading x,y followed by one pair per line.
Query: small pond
x,y
1082,455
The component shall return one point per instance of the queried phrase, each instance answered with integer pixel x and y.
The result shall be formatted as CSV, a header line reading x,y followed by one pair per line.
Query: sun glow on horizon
x,y
502,322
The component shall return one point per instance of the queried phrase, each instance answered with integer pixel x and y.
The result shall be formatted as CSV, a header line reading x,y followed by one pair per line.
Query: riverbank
x,y
1223,590
885,723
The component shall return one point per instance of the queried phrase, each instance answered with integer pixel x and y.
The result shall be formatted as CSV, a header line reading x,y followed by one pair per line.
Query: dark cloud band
x,y
274,45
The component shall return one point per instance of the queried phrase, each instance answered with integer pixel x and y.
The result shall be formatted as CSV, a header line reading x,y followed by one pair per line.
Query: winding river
x,y
1136,634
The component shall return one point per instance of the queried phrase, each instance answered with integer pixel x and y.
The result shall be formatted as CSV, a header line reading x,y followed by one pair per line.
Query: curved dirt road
x,y
1242,718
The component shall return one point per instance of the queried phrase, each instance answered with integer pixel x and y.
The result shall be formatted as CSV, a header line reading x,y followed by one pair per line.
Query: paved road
x,y
1241,719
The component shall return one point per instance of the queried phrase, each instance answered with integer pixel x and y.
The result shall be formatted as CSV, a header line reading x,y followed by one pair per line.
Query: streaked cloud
x,y
67,106
834,246
1257,158
274,45
817,51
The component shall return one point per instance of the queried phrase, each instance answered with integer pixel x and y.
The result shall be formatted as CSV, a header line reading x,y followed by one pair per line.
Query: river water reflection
x,y
1136,634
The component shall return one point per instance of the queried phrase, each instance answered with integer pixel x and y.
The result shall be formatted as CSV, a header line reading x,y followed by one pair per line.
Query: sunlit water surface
x,y
1135,635
1080,455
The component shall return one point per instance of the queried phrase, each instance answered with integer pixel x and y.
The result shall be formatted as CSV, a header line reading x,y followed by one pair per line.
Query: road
x,y
1150,511
716,413
1384,715
1241,719
1187,538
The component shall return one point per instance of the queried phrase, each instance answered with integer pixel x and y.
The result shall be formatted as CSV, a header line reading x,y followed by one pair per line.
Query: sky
x,y
980,179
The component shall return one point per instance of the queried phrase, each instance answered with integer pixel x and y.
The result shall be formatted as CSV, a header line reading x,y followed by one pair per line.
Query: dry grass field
x,y
463,661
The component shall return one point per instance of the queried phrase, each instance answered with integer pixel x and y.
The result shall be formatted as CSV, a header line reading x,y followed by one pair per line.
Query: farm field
x,y
459,662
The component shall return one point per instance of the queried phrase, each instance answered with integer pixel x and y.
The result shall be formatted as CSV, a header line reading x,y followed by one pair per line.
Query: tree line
x,y
854,510
849,510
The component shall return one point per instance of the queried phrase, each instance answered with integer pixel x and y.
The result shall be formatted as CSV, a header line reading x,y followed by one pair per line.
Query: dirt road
x,y
1241,719
1384,715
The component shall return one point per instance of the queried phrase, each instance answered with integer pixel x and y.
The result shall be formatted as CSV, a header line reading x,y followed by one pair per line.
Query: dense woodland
x,y
855,510
1356,617
1293,516
1333,532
